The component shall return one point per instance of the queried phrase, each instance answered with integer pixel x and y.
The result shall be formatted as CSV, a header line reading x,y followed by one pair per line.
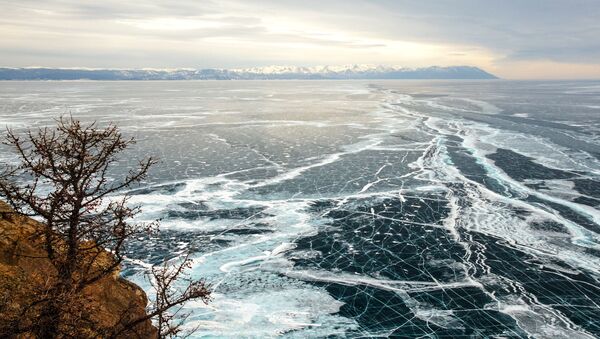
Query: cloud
x,y
491,34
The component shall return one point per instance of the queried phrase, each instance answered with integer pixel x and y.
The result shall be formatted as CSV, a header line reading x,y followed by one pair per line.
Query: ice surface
x,y
359,209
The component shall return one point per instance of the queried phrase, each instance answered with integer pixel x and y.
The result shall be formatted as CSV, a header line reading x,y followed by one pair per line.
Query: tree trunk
x,y
48,322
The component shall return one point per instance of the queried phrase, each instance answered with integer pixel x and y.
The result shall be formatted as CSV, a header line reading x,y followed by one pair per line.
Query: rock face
x,y
25,269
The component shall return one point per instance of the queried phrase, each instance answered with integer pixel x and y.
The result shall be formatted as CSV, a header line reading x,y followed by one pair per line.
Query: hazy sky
x,y
511,38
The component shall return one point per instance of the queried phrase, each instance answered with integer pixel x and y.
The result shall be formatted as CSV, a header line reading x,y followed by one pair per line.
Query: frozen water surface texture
x,y
362,208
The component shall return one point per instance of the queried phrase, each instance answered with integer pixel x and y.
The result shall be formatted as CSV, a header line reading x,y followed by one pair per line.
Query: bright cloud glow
x,y
173,24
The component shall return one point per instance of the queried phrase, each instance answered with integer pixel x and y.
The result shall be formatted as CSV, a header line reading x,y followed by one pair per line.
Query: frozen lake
x,y
362,208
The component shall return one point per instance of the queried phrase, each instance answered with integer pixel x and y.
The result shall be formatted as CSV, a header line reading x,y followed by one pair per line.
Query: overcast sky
x,y
511,38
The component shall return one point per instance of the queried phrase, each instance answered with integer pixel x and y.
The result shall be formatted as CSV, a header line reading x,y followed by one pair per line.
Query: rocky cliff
x,y
25,271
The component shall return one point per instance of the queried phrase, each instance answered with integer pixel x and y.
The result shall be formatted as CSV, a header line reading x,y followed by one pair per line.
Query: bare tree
x,y
65,177
169,298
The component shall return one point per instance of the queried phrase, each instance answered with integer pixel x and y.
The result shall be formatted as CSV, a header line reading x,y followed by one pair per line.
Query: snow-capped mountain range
x,y
318,69
254,73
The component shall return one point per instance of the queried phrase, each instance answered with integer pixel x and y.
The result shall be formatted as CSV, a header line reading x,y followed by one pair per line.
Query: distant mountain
x,y
362,72
256,73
